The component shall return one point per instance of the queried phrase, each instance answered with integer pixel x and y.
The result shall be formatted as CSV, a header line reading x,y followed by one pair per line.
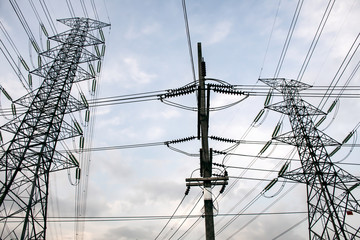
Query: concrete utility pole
x,y
206,161
206,180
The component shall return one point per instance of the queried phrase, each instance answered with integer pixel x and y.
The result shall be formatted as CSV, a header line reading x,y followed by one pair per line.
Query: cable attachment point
x,y
187,190
179,91
219,152
223,139
180,140
225,89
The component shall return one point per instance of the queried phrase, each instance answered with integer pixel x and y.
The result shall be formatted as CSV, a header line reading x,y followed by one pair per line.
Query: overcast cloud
x,y
146,50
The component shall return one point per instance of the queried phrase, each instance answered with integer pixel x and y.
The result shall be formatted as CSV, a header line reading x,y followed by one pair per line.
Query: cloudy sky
x,y
128,189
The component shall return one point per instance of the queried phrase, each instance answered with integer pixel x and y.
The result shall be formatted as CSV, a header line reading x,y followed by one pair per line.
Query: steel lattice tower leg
x,y
329,188
31,154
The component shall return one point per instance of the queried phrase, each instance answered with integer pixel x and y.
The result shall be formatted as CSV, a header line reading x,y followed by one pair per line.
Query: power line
x,y
160,217
172,216
188,39
288,37
316,39
290,228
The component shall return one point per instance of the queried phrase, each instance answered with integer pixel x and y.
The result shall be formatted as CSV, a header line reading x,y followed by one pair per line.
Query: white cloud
x,y
128,72
220,32
146,30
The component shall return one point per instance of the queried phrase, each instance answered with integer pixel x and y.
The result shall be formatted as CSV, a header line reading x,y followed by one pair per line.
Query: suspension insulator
x,y
334,151
320,121
257,118
97,50
276,130
6,94
228,91
44,30
83,98
24,64
93,85
48,45
103,50
87,115
267,145
13,109
39,61
348,137
270,185
187,190
98,66
78,173
102,35
182,140
220,152
73,159
78,128
218,164
180,91
222,189
30,79
332,106
283,169
81,142
268,98
223,139
36,47
92,70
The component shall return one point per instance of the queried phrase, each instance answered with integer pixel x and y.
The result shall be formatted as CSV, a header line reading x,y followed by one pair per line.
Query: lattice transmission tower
x,y
30,156
330,189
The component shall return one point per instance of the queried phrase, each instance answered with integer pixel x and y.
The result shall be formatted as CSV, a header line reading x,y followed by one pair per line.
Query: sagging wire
x,y
187,210
48,16
291,228
288,37
177,208
239,213
184,219
188,38
190,228
316,38
93,5
338,75
264,210
254,188
107,13
270,37
337,99
70,8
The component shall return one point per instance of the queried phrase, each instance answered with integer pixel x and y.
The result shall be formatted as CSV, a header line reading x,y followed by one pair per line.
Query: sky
x,y
147,51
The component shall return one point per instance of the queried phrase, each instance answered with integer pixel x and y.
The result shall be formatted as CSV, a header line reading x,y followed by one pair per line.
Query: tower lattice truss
x,y
30,156
330,189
